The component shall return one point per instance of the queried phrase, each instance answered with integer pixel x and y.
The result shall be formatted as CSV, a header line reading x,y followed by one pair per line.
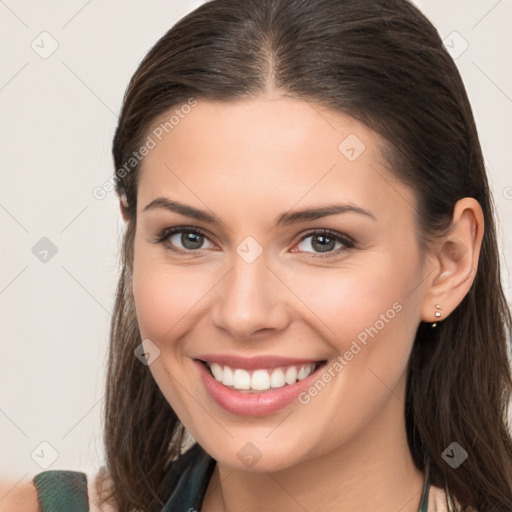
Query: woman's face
x,y
263,289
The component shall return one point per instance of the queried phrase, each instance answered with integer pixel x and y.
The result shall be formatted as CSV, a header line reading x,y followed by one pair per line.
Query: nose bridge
x,y
251,297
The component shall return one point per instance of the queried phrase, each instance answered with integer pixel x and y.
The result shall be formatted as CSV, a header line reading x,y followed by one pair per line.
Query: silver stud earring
x,y
437,314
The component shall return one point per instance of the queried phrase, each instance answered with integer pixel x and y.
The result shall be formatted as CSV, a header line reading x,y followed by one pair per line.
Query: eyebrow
x,y
284,219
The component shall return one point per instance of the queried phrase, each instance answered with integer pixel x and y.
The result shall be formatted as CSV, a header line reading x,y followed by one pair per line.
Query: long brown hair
x,y
382,62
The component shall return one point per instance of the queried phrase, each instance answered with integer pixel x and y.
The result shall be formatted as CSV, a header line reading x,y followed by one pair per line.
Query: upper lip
x,y
253,363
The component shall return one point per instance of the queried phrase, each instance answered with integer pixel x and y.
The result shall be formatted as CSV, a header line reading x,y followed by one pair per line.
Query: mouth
x,y
263,386
260,380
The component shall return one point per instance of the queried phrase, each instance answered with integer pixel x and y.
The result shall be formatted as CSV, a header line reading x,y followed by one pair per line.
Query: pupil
x,y
191,238
325,244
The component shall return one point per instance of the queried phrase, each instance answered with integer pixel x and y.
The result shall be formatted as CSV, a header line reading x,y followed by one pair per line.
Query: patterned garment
x,y
66,491
62,491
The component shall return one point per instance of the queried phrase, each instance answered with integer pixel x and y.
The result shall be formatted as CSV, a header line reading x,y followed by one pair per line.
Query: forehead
x,y
265,153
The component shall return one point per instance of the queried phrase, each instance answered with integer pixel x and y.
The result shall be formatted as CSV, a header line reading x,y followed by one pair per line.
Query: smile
x,y
256,386
261,379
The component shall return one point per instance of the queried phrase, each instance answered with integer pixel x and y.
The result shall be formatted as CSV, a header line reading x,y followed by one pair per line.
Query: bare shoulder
x,y
18,496
438,501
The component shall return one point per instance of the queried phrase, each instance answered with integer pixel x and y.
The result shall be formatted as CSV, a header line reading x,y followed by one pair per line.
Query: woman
x,y
310,291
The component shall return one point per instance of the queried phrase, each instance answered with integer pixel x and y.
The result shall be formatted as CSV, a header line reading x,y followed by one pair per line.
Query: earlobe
x,y
123,205
455,261
437,314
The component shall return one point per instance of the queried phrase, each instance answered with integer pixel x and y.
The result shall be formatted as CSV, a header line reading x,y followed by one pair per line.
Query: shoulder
x,y
55,489
18,496
438,501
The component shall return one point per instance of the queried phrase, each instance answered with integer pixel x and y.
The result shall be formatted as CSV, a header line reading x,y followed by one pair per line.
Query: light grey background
x,y
58,116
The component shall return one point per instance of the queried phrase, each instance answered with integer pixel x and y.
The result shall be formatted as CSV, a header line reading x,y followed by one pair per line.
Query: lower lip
x,y
254,403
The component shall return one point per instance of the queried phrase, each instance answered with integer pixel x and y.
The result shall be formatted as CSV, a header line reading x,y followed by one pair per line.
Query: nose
x,y
251,301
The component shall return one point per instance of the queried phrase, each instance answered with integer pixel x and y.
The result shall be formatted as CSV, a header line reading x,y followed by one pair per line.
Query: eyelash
x,y
163,238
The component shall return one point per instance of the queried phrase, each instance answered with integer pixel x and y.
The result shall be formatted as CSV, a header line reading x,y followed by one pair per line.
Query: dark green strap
x,y
426,489
188,478
62,491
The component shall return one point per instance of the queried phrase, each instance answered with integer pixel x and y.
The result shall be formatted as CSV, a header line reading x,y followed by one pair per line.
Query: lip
x,y
254,363
258,403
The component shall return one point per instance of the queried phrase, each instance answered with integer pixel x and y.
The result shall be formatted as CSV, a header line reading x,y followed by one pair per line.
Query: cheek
x,y
368,313
166,297
357,301
167,303
370,322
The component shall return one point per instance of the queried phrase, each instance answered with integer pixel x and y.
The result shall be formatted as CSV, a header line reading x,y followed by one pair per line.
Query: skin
x,y
247,163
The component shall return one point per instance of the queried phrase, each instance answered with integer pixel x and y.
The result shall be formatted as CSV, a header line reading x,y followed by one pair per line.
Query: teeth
x,y
227,376
303,373
259,380
277,379
291,375
241,379
216,371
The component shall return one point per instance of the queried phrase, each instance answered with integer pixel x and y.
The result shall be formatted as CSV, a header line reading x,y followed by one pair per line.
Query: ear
x,y
123,205
455,261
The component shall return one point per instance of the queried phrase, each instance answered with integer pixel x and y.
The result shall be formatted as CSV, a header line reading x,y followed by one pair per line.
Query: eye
x,y
191,239
188,240
324,241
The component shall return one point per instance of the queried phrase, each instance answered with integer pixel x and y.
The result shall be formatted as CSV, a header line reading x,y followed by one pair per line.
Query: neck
x,y
373,471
